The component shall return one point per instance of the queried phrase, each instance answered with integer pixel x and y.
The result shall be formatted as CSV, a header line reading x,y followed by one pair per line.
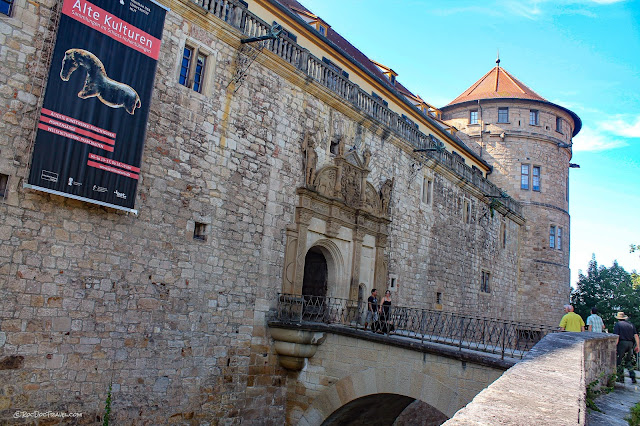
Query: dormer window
x,y
322,29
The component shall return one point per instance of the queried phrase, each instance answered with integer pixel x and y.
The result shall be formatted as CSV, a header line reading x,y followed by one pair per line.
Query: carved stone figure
x,y
385,194
310,160
366,155
340,146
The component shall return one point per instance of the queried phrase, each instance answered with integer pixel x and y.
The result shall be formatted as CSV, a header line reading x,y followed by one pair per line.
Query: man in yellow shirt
x,y
571,321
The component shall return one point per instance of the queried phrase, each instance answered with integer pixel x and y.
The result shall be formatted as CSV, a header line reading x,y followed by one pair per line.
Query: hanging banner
x,y
93,121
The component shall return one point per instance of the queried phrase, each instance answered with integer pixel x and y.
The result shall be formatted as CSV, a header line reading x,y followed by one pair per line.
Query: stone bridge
x,y
428,368
378,378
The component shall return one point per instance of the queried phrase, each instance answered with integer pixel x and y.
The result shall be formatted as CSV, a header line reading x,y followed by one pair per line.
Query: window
x,y
503,235
438,298
552,236
200,231
524,176
534,117
466,212
473,116
503,115
4,180
5,6
322,29
393,283
410,121
192,68
379,99
427,188
536,178
484,283
559,124
559,239
287,33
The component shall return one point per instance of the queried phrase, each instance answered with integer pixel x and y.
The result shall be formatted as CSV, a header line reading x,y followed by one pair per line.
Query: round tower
x,y
527,140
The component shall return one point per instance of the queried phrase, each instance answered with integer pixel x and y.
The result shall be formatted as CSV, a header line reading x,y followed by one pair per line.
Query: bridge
x,y
426,364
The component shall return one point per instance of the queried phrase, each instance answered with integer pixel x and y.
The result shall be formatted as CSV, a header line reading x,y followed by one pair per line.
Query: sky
x,y
581,54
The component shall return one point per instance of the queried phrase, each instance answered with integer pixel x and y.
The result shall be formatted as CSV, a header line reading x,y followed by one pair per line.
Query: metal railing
x,y
505,338
249,24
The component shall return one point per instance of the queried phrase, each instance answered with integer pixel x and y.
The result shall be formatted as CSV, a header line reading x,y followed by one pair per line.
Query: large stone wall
x,y
92,296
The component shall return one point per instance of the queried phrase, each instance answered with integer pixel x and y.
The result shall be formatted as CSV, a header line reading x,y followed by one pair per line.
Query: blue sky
x,y
581,54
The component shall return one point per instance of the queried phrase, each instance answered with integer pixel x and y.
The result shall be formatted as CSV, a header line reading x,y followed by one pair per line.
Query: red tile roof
x,y
497,83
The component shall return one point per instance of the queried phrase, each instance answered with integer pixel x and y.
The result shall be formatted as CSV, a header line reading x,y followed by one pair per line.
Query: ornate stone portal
x,y
346,218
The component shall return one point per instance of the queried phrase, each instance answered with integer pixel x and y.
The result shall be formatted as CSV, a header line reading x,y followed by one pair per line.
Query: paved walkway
x,y
615,405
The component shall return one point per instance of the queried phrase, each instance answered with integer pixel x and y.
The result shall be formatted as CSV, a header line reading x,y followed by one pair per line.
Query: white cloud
x,y
623,125
595,140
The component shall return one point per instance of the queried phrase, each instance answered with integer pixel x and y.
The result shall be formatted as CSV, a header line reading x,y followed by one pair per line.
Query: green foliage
x,y
107,408
634,415
592,393
608,289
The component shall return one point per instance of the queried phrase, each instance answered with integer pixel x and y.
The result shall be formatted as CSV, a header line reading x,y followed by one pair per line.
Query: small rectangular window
x,y
536,179
503,235
322,29
534,117
5,6
4,181
466,213
427,186
524,176
439,298
559,124
552,236
503,115
559,239
484,284
473,116
200,231
192,68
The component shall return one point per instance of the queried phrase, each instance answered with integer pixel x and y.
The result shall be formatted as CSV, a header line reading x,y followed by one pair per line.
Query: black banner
x,y
94,116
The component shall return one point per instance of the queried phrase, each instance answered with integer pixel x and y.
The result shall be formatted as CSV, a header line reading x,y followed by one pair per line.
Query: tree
x,y
608,289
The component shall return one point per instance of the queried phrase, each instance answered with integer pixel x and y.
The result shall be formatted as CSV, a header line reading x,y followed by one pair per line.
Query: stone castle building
x,y
293,165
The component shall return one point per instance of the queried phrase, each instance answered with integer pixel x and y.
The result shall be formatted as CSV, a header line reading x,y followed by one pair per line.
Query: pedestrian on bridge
x,y
627,336
594,322
571,321
372,310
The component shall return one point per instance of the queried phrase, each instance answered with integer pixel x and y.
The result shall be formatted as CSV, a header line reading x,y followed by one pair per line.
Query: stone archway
x,y
315,280
349,393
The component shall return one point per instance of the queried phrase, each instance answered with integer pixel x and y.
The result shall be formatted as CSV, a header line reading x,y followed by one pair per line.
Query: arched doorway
x,y
316,273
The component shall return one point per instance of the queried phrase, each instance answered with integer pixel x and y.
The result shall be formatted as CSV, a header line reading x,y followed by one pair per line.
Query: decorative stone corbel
x,y
294,346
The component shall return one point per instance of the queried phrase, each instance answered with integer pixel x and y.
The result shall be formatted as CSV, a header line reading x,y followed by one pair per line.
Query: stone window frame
x,y
200,231
533,185
559,124
552,236
473,117
466,211
197,49
485,281
503,115
534,117
4,184
6,7
427,191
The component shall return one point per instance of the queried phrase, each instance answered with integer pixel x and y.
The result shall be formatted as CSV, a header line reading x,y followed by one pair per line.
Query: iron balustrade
x,y
506,338
236,15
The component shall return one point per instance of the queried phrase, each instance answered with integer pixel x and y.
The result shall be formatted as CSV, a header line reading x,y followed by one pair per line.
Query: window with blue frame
x,y
192,68
5,6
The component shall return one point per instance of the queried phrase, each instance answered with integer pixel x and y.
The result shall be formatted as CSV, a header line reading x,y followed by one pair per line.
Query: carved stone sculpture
x,y
385,194
310,160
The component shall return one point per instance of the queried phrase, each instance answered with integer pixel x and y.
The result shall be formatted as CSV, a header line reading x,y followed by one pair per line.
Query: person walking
x,y
571,321
627,336
372,310
594,322
385,313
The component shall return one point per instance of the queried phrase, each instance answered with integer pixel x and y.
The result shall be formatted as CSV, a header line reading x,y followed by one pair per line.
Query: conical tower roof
x,y
495,84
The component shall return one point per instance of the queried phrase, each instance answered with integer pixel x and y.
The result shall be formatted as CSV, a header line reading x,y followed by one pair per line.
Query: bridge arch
x,y
373,385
